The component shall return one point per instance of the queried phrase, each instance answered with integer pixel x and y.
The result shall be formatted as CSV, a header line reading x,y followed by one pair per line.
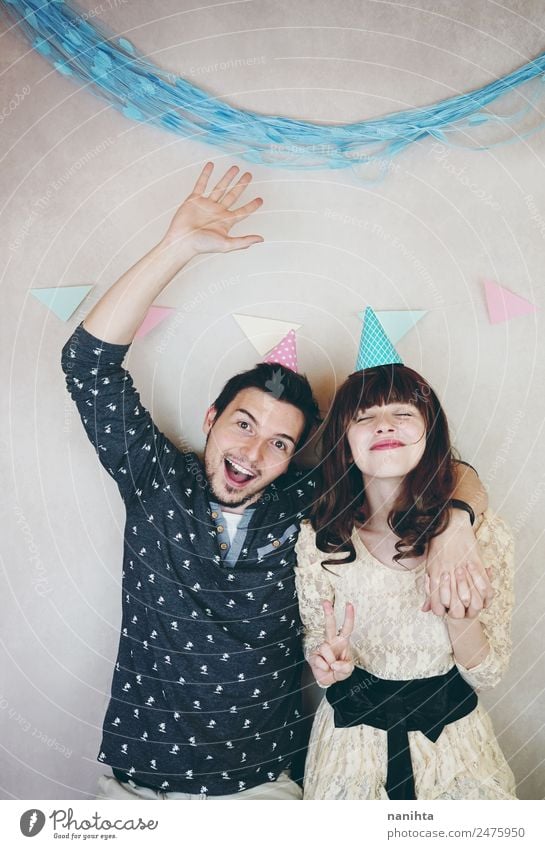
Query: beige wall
x,y
420,240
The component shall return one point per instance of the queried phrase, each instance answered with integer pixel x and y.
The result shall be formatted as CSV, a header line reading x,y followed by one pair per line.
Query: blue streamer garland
x,y
145,92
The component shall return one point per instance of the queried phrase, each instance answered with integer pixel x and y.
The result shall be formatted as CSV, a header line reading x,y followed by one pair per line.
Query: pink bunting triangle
x,y
285,353
154,316
503,304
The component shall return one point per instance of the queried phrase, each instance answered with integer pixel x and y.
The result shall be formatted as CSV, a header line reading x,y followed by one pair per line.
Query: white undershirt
x,y
232,521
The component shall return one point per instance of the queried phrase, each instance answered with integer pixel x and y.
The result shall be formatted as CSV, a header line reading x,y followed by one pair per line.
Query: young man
x,y
205,698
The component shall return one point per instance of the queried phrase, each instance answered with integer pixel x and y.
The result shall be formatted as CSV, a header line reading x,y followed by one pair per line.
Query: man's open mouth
x,y
236,474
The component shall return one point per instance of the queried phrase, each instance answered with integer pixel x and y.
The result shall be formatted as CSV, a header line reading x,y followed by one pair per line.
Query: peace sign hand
x,y
332,660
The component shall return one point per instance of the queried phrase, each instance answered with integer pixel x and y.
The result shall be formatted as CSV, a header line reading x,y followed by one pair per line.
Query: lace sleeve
x,y
497,551
313,585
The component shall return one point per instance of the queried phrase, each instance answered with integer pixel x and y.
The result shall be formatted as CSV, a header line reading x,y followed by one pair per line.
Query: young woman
x,y
400,718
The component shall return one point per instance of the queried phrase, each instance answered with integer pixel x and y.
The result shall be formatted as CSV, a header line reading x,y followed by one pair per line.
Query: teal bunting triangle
x,y
62,300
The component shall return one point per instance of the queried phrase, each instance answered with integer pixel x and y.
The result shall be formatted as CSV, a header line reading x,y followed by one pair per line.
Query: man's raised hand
x,y
202,224
332,660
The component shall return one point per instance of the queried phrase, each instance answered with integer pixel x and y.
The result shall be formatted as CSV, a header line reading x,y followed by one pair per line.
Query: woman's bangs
x,y
390,385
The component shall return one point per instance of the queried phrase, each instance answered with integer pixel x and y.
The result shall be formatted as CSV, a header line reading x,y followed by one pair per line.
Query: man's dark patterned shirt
x,y
205,694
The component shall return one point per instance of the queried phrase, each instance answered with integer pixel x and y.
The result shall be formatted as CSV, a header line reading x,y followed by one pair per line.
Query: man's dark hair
x,y
283,384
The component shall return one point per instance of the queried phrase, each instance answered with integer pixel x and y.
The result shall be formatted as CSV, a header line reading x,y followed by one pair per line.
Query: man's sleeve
x,y
469,488
128,444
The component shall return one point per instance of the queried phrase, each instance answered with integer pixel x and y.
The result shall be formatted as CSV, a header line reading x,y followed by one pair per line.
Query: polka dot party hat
x,y
285,353
375,347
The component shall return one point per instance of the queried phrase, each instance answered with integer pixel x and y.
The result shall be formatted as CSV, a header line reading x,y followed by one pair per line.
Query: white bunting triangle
x,y
264,333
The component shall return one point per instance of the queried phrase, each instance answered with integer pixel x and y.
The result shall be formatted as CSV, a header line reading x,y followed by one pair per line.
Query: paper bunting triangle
x,y
375,347
397,323
264,333
154,316
285,353
503,304
63,300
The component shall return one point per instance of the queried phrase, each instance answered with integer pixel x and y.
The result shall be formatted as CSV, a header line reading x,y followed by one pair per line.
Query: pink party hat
x,y
285,353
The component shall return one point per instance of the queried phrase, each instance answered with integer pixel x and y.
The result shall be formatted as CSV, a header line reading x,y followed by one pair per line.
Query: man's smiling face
x,y
249,445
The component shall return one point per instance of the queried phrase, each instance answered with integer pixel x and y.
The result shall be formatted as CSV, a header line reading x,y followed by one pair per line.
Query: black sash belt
x,y
423,704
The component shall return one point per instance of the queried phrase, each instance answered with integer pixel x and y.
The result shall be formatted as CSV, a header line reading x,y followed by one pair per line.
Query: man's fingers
x,y
476,604
244,211
481,579
220,187
456,608
233,194
237,243
444,590
202,179
478,575
463,585
435,600
471,611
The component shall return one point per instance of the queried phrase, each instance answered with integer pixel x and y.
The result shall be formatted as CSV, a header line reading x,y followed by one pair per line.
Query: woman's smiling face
x,y
387,440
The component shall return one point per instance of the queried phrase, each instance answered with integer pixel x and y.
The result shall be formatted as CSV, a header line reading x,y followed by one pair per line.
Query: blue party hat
x,y
375,347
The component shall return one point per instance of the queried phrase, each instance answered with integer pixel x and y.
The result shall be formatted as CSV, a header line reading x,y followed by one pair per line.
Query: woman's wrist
x,y
457,626
468,639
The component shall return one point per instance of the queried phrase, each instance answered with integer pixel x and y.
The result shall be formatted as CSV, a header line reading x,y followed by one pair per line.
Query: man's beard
x,y
244,499
215,496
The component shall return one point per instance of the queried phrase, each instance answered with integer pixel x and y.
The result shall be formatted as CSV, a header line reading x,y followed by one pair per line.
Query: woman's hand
x,y
467,635
473,600
332,660
454,550
202,224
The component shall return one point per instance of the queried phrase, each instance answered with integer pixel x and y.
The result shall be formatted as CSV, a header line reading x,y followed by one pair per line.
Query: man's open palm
x,y
202,224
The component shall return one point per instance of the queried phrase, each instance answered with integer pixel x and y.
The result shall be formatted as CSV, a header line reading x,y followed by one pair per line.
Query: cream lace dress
x,y
393,639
